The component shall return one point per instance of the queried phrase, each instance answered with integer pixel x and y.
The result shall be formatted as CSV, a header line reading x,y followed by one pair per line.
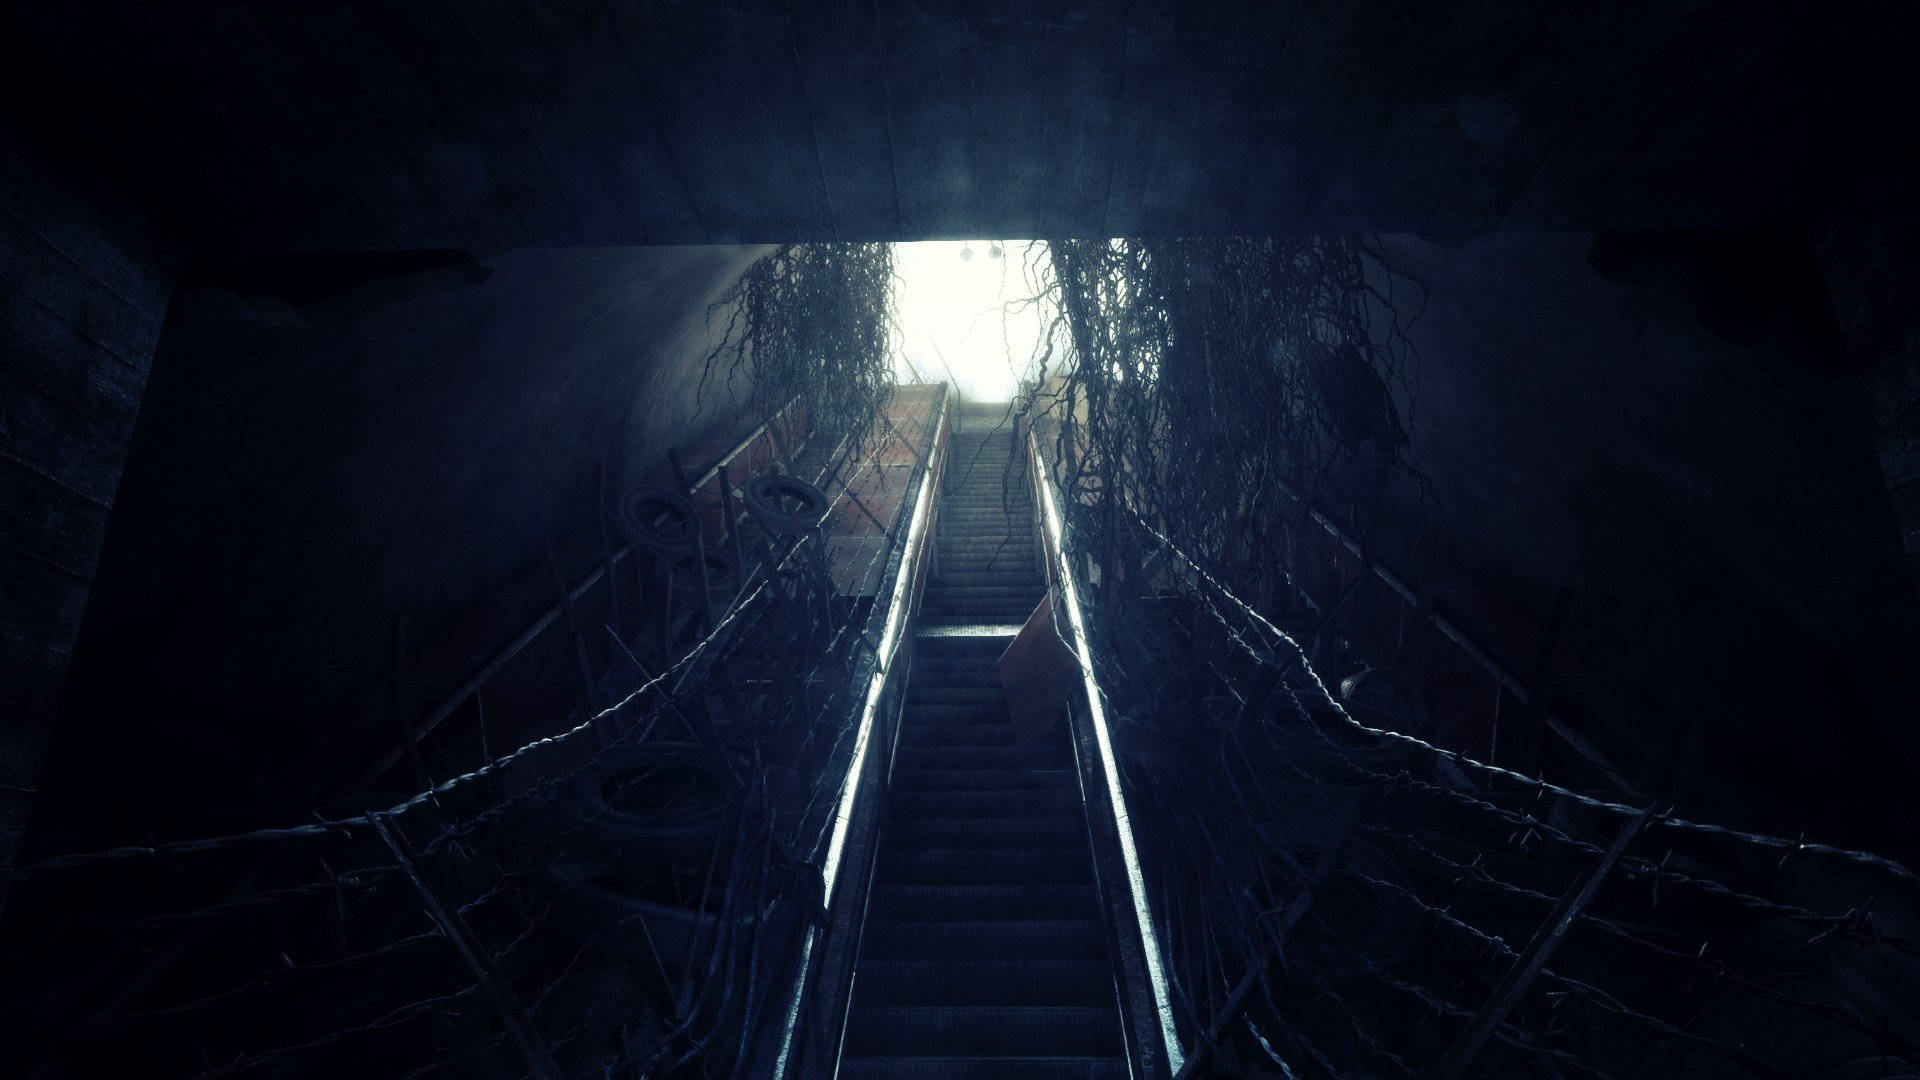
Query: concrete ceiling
x,y
485,124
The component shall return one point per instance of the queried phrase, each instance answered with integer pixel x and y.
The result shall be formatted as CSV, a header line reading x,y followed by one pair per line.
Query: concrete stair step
x,y
1017,591
983,939
986,833
983,801
936,622
1051,754
952,671
982,902
983,685
962,599
947,665
983,1029
948,714
984,954
980,866
960,697
984,1068
979,649
981,779
978,614
1024,579
984,982
959,715
917,732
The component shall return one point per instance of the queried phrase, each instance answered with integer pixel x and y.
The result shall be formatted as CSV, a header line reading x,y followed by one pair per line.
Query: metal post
x,y
1236,1002
613,578
680,474
733,530
1542,685
588,700
402,708
698,724
455,929
1506,994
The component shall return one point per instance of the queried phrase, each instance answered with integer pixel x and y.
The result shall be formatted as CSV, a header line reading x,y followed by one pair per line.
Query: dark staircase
x,y
986,570
983,957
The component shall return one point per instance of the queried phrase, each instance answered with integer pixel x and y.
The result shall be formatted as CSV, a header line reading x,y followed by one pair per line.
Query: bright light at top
x,y
951,298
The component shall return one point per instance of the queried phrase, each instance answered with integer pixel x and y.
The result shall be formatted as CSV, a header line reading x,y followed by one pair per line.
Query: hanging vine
x,y
1330,901
1202,377
812,322
1195,383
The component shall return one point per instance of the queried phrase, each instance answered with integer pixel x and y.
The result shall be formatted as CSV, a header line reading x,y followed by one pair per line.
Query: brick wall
x,y
82,296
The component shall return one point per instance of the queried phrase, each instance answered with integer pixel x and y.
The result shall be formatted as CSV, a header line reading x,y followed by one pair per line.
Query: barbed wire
x,y
344,828
1776,843
727,966
1215,917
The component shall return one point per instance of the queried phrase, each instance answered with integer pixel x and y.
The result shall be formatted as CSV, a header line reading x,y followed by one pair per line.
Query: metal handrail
x,y
903,601
1465,641
1067,597
1462,638
465,691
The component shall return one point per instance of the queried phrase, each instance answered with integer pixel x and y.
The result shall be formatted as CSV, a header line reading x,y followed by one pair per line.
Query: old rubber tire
x,y
722,575
654,804
784,505
660,519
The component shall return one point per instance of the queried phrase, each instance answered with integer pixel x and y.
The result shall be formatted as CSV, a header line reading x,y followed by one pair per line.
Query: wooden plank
x,y
1539,704
1533,959
1039,673
454,928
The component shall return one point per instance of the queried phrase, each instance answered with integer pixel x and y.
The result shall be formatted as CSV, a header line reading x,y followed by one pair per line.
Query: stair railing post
x,y
454,928
1507,992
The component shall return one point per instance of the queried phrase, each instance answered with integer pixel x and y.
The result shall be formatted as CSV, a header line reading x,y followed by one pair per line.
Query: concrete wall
x,y
1712,495
489,125
301,474
82,295
1873,274
341,461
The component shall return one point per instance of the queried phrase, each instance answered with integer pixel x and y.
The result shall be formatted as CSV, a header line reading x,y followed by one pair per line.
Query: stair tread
x,y
958,693
997,780
974,1029
987,833
1032,756
970,982
1024,1067
927,732
984,939
984,954
997,900
984,802
1054,865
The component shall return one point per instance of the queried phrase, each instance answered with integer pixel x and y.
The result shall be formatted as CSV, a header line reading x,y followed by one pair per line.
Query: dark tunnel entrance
x,y
1130,727
568,540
